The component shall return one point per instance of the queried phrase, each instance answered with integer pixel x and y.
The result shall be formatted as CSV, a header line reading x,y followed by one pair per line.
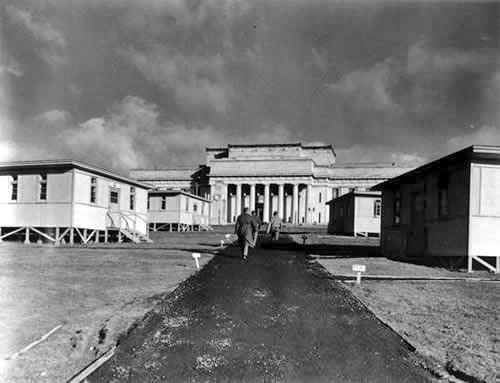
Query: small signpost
x,y
358,269
196,256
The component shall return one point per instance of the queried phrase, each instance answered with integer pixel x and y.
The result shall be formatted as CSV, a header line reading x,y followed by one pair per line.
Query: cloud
x,y
196,82
53,116
10,65
53,42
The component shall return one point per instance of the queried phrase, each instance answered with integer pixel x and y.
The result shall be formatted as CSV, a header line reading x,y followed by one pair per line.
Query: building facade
x,y
177,211
69,201
356,213
294,180
447,208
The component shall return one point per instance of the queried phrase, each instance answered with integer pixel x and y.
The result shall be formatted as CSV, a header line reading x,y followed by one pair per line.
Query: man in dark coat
x,y
245,229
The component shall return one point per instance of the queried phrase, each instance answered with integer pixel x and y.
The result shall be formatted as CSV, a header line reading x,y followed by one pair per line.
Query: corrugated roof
x,y
489,153
69,163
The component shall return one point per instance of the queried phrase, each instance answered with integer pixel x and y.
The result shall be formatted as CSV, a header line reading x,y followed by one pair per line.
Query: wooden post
x,y
1,235
57,242
498,265
469,264
27,235
84,235
71,236
119,236
106,236
96,238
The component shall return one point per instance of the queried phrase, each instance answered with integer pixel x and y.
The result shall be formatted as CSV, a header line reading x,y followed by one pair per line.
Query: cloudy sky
x,y
126,83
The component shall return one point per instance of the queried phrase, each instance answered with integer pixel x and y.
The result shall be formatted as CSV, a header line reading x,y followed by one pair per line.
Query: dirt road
x,y
274,318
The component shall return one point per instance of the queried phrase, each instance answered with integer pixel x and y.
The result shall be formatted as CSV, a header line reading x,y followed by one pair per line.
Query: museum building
x,y
295,180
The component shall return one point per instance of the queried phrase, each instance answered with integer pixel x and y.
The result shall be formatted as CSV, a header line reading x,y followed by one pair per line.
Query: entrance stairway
x,y
135,236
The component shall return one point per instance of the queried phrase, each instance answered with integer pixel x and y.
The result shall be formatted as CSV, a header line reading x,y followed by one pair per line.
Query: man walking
x,y
245,229
258,222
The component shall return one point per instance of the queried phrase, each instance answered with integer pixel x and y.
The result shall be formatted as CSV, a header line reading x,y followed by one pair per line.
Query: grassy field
x,y
454,324
96,293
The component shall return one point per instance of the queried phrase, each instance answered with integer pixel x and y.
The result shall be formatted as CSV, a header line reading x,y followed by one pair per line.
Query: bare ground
x,y
95,293
452,323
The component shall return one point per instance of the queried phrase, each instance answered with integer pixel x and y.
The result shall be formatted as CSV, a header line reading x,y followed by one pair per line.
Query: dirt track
x,y
274,318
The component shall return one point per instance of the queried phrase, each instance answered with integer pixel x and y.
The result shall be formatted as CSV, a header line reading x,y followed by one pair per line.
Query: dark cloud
x,y
155,81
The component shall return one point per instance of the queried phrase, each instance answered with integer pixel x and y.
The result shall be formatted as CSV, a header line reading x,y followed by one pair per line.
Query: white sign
x,y
361,268
196,256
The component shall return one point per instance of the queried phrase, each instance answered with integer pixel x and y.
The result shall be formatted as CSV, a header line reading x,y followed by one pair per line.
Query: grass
x,y
454,324
96,293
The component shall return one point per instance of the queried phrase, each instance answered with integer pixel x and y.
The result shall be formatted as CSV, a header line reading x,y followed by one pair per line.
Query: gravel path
x,y
273,318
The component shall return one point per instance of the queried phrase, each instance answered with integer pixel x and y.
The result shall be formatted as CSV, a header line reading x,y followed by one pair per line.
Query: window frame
x,y
14,187
163,205
93,190
132,204
42,187
117,197
377,208
396,214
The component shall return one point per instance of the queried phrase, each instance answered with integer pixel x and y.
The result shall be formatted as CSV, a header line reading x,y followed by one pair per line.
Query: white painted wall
x,y
365,220
484,223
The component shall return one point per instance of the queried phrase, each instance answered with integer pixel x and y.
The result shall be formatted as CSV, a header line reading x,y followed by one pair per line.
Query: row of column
x,y
267,201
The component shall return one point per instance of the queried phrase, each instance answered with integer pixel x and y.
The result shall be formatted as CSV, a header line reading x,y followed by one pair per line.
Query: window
x,y
43,187
187,204
163,203
13,187
319,217
132,198
335,192
377,208
195,207
443,183
397,207
319,197
149,202
93,189
113,197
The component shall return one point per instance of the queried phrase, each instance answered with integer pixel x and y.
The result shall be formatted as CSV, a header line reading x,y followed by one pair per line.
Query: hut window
x,y
43,187
132,198
397,207
13,187
113,196
149,202
93,189
377,208
163,203
187,204
319,217
195,207
443,183
319,197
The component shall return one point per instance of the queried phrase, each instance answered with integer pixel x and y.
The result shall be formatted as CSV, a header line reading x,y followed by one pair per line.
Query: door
x,y
417,235
114,217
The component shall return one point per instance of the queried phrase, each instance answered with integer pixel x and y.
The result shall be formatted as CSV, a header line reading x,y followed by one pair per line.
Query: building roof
x,y
163,174
176,192
298,144
69,163
356,193
366,171
474,153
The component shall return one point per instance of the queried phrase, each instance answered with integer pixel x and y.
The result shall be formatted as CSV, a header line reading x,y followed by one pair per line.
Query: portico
x,y
288,197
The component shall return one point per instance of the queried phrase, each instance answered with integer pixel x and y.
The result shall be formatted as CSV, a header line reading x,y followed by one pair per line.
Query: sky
x,y
135,84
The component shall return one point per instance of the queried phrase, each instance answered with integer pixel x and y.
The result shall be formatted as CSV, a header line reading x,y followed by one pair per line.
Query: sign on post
x,y
196,256
358,269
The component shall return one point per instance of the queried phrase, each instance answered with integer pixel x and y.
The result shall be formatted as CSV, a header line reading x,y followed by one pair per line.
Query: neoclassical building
x,y
295,180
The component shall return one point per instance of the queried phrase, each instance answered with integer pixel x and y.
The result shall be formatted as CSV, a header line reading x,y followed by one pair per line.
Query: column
x,y
308,203
238,200
295,204
252,197
281,213
266,203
